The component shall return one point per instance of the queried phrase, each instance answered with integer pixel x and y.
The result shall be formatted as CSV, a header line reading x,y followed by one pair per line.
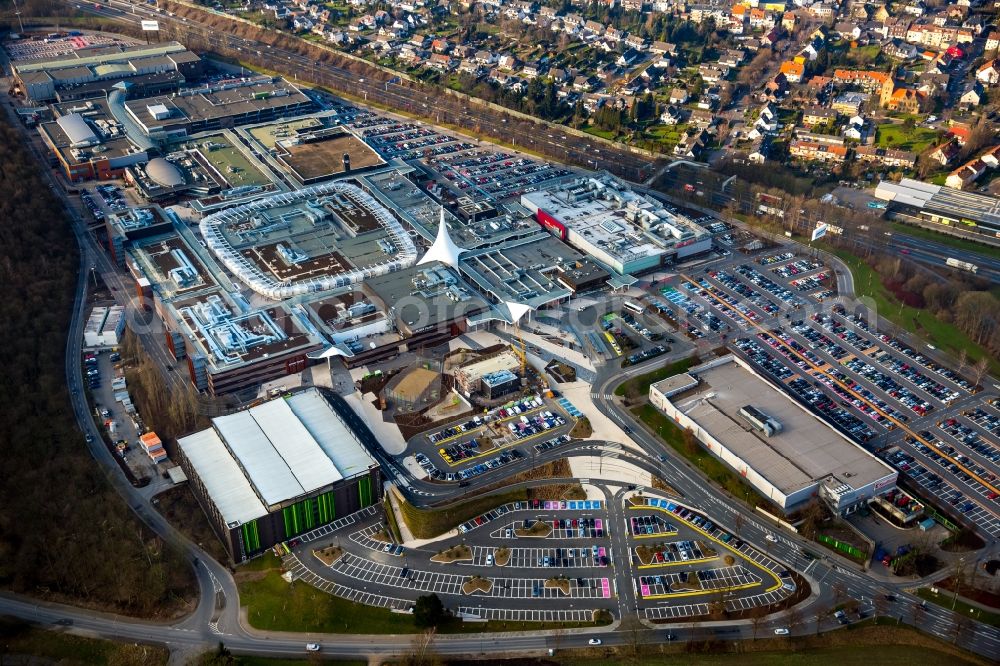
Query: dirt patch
x,y
582,429
476,584
645,554
501,556
538,530
575,493
328,555
660,484
460,553
729,560
963,541
561,584
707,549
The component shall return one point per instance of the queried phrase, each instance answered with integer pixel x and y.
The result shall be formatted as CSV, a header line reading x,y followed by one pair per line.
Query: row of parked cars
x,y
768,285
738,286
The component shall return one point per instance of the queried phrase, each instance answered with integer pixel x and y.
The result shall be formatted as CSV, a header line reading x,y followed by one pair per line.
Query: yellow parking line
x,y
725,545
657,565
496,448
694,593
653,536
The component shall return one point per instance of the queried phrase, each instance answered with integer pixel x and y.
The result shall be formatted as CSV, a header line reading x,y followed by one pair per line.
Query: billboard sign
x,y
151,26
819,231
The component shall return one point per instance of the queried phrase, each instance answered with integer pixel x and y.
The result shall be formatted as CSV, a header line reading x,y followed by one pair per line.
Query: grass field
x,y
639,385
17,638
226,157
914,139
709,465
274,605
883,655
946,239
429,523
944,598
941,334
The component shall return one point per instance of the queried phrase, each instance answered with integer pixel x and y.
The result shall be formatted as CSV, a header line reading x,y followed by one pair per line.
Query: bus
x,y
634,307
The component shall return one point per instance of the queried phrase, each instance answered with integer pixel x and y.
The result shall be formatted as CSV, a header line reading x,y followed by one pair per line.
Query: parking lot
x,y
874,388
461,167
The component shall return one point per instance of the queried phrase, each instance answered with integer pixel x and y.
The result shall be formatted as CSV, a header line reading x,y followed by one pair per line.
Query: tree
x,y
757,616
422,650
980,369
429,611
690,442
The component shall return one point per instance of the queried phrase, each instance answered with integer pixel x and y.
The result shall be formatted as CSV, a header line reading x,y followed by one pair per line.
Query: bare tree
x,y
690,441
793,617
757,616
963,360
980,369
422,650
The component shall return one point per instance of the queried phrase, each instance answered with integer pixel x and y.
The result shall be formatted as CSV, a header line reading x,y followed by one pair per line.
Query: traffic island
x,y
477,584
646,554
328,555
460,553
561,584
538,530
501,556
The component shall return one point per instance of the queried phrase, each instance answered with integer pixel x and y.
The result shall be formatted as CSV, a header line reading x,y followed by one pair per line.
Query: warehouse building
x,y
621,229
272,472
214,106
147,69
88,143
942,205
786,453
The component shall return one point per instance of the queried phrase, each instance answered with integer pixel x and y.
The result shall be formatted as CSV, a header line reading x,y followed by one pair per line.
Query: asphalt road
x,y
216,617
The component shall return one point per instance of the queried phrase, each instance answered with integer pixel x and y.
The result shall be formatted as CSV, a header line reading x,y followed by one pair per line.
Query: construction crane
x,y
522,353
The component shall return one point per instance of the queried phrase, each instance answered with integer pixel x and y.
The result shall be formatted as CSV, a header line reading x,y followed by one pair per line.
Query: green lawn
x,y
708,464
914,139
274,605
882,655
17,638
941,334
597,131
429,523
946,239
945,598
639,385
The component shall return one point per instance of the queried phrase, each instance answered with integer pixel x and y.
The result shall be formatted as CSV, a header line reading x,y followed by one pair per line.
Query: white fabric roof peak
x,y
444,248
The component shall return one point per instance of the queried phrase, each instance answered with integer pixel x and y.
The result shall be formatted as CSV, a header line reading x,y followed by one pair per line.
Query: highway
x,y
216,617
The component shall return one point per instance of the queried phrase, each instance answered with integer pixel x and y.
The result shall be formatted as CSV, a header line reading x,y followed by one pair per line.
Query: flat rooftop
x,y
220,99
521,272
111,53
271,454
312,156
945,201
424,297
803,453
604,212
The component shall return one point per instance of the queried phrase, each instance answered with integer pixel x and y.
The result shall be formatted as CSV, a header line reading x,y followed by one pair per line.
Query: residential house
x,y
848,30
732,58
818,116
508,62
637,42
712,73
788,21
583,83
664,48
900,50
629,58
692,144
993,40
671,115
966,174
819,152
759,149
441,61
702,118
989,74
776,88
972,95
859,129
793,71
890,157
946,153
678,96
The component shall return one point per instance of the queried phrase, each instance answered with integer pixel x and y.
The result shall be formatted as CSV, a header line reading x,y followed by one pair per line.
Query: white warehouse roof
x,y
272,453
77,130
